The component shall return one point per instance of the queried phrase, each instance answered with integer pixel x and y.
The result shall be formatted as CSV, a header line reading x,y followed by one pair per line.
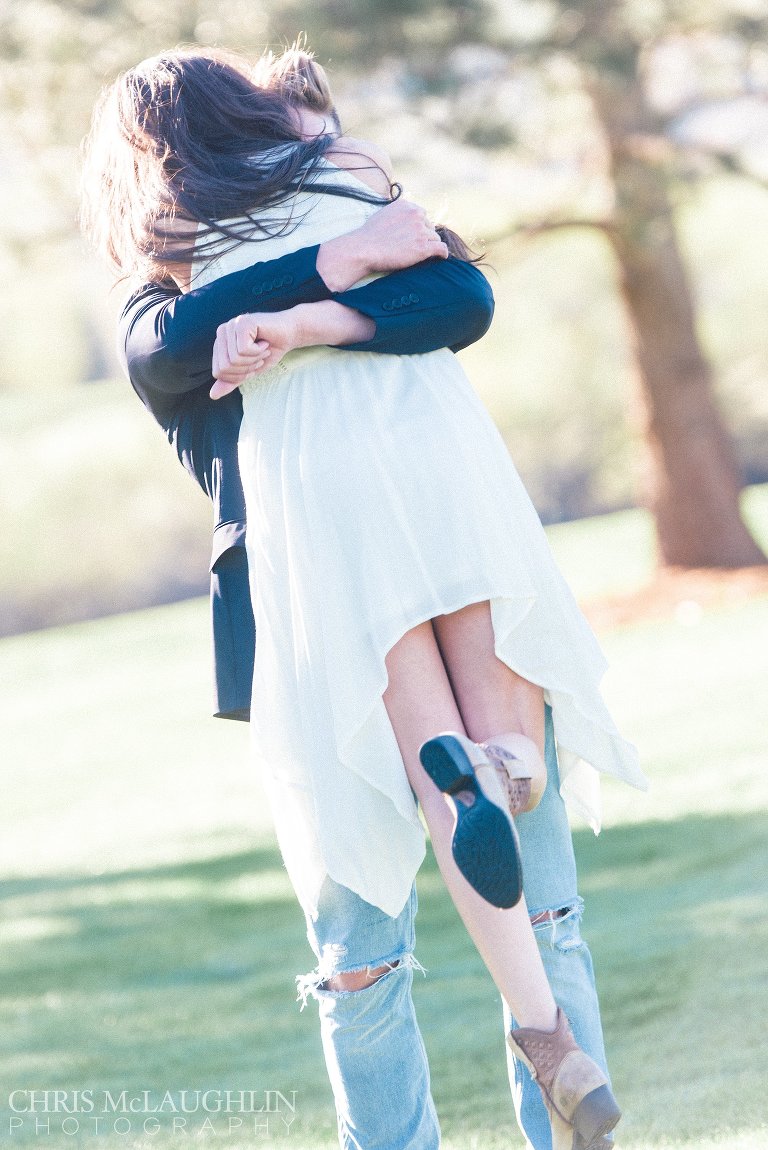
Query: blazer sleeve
x,y
439,303
165,339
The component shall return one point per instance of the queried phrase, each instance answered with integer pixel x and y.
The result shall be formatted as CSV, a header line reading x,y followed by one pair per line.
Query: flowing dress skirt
x,y
379,494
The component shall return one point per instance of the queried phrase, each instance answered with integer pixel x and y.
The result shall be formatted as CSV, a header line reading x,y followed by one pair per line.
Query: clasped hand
x,y
248,345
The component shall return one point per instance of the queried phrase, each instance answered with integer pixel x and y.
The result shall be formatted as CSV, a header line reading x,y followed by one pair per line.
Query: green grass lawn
x,y
150,938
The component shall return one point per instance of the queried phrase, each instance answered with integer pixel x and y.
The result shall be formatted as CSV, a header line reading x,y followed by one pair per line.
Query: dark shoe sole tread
x,y
485,845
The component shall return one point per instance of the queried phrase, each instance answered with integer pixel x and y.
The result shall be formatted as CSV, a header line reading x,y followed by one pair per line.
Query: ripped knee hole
x,y
358,979
549,915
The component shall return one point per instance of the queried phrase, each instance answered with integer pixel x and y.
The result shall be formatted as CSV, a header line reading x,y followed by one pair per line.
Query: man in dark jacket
x,y
166,341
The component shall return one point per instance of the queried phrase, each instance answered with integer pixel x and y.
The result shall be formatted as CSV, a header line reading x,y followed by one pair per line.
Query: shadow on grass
x,y
175,977
180,977
182,921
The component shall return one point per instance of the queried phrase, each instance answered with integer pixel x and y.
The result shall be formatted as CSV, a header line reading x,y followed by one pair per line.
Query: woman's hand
x,y
250,344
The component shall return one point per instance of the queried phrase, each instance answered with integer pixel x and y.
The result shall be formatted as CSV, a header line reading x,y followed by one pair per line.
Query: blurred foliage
x,y
98,517
495,73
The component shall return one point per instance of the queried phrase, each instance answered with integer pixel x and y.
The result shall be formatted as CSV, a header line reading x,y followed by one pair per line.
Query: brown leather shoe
x,y
579,1101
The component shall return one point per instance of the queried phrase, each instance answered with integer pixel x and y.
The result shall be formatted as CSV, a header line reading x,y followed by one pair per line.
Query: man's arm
x,y
165,338
443,303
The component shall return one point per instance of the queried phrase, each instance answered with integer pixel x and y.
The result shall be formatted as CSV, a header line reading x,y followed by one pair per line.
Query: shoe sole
x,y
594,1117
485,845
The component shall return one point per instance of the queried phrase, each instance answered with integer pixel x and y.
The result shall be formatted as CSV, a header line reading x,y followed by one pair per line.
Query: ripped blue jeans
x,y
373,1049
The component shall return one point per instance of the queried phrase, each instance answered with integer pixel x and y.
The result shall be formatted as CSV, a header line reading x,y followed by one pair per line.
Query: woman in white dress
x,y
411,625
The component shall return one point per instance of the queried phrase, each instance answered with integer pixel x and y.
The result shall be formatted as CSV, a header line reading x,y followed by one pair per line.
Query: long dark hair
x,y
184,141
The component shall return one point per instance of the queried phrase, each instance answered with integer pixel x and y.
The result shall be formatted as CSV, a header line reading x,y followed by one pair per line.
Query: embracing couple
x,y
386,610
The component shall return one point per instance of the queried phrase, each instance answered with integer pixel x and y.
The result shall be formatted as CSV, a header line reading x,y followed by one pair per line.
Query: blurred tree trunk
x,y
693,482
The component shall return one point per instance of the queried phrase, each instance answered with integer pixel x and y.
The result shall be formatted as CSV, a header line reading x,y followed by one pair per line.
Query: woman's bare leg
x,y
491,698
420,703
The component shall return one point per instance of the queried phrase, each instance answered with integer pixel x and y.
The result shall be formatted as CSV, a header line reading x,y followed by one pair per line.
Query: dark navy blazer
x,y
165,345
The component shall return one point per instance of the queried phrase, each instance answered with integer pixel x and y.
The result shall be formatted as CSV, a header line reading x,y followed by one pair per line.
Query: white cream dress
x,y
379,494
